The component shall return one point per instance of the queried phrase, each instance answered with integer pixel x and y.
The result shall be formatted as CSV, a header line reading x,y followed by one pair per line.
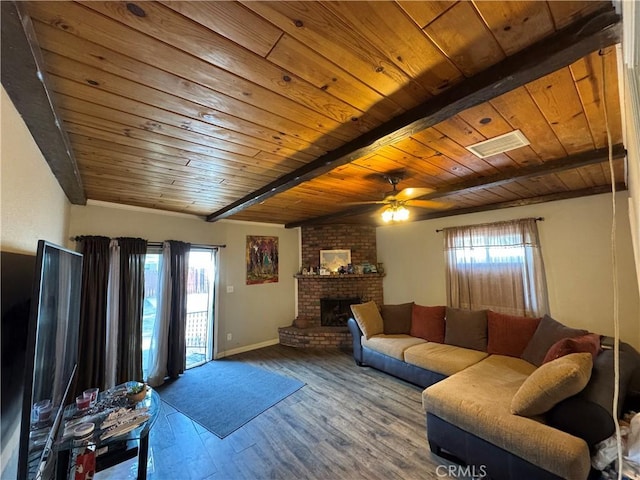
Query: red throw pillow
x,y
428,323
509,334
589,343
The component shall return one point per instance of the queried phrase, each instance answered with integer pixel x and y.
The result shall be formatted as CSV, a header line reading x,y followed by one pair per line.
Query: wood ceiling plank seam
x,y
564,13
589,76
517,24
521,111
423,13
230,19
414,147
157,136
112,35
407,159
558,100
97,162
330,77
159,148
173,129
470,57
403,43
192,38
170,86
442,144
184,118
321,31
573,180
231,170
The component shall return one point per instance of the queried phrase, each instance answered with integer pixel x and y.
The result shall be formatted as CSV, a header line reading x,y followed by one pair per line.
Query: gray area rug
x,y
223,395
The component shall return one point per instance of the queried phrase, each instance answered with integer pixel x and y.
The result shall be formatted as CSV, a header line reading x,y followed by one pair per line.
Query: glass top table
x,y
116,420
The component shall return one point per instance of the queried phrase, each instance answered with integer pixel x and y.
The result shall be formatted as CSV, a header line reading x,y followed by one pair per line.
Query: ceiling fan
x,y
396,201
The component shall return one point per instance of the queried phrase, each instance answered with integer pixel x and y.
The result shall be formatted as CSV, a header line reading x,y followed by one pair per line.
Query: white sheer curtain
x,y
113,301
159,347
496,266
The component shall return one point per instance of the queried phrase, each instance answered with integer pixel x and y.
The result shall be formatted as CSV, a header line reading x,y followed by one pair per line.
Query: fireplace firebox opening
x,y
334,312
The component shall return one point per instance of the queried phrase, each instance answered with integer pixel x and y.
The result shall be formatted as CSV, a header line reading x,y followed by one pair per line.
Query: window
x,y
496,266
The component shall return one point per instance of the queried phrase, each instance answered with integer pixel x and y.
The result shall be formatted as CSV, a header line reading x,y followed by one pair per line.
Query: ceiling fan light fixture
x,y
395,213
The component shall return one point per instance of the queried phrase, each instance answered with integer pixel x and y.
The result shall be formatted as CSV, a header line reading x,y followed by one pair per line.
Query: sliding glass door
x,y
200,306
199,326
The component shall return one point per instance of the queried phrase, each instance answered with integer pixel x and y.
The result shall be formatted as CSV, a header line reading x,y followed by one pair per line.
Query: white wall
x,y
575,238
252,313
33,205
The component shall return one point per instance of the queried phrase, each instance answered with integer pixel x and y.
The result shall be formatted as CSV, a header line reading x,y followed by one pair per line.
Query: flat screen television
x,y
51,356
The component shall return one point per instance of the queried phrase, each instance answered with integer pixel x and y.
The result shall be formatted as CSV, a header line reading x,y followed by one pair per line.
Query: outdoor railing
x,y
196,329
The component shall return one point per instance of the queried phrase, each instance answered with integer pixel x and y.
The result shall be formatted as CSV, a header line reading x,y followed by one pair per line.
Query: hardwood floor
x,y
347,422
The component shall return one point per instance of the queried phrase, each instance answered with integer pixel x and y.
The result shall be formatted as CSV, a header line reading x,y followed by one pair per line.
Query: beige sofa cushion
x,y
368,318
478,400
442,358
551,383
391,345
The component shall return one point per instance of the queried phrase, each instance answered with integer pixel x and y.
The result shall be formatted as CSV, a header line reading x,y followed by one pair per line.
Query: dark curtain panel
x,y
176,360
132,255
93,312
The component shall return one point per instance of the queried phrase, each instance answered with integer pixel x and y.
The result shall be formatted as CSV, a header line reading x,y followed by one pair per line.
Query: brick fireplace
x,y
361,240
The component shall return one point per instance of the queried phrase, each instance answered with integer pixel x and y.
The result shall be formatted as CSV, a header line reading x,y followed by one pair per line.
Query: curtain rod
x,y
195,245
159,244
537,219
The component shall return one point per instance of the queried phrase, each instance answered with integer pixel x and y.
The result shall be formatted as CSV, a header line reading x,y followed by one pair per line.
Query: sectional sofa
x,y
517,397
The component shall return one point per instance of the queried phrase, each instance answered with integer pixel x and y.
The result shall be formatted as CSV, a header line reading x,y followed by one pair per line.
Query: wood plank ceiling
x,y
220,109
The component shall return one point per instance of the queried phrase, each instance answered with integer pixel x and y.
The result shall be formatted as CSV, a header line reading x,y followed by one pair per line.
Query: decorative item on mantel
x,y
332,260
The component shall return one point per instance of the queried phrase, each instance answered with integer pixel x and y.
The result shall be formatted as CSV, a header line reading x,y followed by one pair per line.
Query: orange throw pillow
x,y
509,334
428,323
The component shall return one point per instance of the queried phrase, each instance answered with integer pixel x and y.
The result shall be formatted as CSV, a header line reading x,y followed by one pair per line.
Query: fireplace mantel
x,y
347,276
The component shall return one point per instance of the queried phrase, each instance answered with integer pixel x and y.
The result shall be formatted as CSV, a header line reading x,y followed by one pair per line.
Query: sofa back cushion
x,y
509,334
466,328
549,331
368,318
552,383
397,318
428,323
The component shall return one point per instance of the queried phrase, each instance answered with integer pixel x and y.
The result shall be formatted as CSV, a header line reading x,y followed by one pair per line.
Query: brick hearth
x,y
316,337
361,240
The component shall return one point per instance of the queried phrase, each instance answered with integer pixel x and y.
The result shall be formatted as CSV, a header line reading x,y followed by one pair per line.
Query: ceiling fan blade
x,y
433,204
409,193
373,202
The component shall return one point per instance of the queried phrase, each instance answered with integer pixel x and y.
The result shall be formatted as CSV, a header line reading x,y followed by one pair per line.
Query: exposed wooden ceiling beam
x,y
620,186
513,175
587,35
23,79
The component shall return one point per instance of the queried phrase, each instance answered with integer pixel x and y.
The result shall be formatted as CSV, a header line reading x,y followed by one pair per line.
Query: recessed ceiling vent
x,y
500,144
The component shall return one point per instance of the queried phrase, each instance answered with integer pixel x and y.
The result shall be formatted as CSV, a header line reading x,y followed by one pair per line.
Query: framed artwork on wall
x,y
262,259
332,260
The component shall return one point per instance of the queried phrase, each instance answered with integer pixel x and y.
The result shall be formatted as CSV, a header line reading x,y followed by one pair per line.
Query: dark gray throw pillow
x,y
466,328
549,331
397,318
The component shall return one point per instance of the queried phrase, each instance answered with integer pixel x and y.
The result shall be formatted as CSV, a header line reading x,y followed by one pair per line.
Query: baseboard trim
x,y
247,348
